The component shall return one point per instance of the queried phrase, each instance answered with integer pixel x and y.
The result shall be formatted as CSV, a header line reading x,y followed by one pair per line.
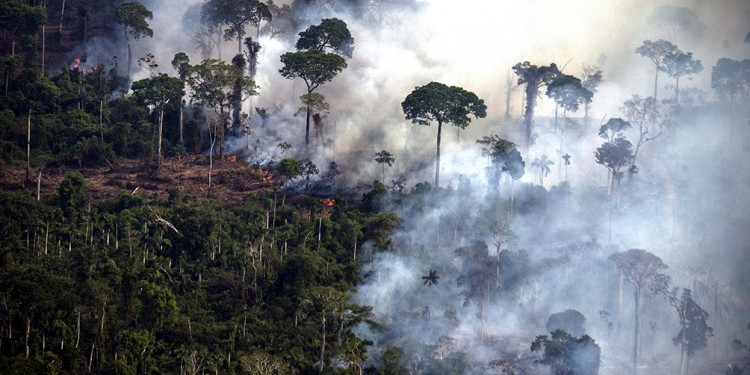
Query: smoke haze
x,y
689,203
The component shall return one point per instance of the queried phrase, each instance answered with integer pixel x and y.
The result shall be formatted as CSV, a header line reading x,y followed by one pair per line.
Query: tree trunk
x,y
656,80
28,332
682,356
218,43
78,328
221,132
182,141
637,333
62,14
161,127
322,345
619,300
677,92
28,146
44,44
557,106
101,120
531,92
437,158
130,54
307,122
39,190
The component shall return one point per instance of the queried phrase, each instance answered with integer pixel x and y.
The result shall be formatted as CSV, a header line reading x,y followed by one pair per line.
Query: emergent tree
x,y
644,271
236,14
444,104
678,64
656,52
132,15
534,77
157,92
214,83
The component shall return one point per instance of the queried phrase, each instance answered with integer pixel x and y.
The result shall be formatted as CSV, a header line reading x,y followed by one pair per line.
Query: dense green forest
x,y
284,257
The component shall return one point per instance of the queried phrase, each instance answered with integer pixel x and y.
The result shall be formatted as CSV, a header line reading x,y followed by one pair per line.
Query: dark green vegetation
x,y
135,285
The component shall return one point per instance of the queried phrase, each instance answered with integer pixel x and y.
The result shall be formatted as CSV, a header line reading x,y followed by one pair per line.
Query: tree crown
x,y
332,33
444,104
133,15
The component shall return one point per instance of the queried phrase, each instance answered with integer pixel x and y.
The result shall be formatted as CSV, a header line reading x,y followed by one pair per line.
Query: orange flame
x,y
77,65
232,159
265,175
329,202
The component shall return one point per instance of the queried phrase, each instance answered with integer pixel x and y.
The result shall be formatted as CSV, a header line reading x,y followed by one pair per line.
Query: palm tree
x,y
543,164
567,163
431,279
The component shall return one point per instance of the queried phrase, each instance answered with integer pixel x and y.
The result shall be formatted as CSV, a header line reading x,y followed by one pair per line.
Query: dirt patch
x,y
231,181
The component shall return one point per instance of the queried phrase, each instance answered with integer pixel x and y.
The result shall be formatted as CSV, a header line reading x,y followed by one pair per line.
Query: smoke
x,y
688,204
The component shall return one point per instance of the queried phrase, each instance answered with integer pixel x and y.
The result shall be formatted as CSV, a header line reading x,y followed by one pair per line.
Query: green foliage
x,y
236,14
568,92
162,298
438,102
314,67
19,18
567,355
332,34
534,77
730,77
290,168
133,16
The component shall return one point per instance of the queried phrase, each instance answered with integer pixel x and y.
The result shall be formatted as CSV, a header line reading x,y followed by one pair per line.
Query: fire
x,y
329,202
76,64
265,175
232,159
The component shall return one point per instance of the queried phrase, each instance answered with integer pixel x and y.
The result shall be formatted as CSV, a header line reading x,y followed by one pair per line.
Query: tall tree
x,y
650,120
20,19
289,169
444,104
643,270
213,83
694,330
318,58
237,14
656,52
384,157
315,68
132,15
542,164
332,34
201,32
614,155
534,77
731,78
324,302
181,63
282,21
614,128
504,157
158,92
568,92
678,64
590,80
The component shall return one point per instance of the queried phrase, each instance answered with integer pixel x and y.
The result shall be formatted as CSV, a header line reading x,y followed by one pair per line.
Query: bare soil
x,y
231,181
